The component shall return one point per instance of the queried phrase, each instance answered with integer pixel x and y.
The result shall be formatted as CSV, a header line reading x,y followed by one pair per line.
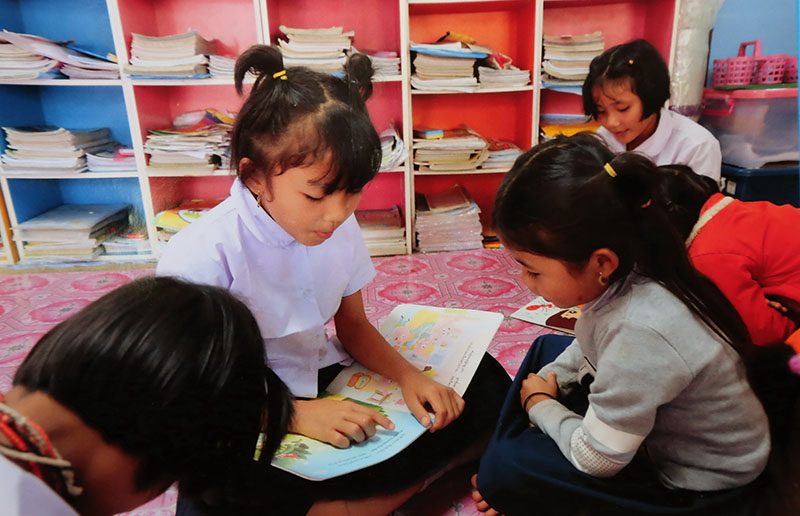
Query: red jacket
x,y
751,250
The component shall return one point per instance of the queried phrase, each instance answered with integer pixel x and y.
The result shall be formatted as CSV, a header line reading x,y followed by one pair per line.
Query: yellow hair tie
x,y
281,75
610,170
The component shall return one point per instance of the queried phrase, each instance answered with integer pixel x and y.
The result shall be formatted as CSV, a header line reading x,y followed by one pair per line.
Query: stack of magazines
x,y
198,140
70,232
385,63
448,149
393,150
221,66
319,49
34,57
567,58
51,150
121,159
448,221
445,66
511,77
502,153
383,231
18,63
180,55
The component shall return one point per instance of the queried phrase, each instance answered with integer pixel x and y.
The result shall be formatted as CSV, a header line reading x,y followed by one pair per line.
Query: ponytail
x,y
570,196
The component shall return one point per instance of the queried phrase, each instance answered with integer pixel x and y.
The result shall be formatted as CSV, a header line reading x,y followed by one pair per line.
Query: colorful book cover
x,y
447,344
544,313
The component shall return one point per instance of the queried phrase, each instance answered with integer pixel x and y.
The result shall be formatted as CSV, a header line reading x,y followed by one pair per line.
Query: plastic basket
x,y
790,72
740,70
771,69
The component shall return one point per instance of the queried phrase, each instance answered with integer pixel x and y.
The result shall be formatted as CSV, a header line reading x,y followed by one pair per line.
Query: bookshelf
x,y
132,106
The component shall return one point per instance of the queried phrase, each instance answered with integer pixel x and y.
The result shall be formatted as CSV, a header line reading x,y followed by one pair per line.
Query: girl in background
x,y
625,91
156,382
648,410
287,242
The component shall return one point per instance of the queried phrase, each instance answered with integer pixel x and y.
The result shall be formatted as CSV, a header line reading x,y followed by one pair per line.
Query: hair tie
x,y
610,170
281,75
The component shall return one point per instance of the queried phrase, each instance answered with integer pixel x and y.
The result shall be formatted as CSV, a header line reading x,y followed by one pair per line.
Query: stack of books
x,y
121,159
385,63
567,58
179,55
319,49
393,150
198,140
445,66
449,149
44,150
34,57
221,66
447,221
511,77
70,232
383,231
502,153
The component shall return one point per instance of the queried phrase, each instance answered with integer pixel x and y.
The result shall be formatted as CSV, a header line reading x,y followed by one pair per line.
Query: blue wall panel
x,y
34,196
88,107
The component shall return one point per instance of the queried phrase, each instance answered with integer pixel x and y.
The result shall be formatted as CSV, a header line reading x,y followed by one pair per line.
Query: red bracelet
x,y
531,395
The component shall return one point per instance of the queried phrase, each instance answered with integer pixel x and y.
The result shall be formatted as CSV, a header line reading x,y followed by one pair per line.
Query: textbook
x,y
544,313
446,344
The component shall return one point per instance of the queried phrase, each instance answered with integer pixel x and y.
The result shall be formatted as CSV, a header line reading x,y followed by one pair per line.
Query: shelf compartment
x,y
481,187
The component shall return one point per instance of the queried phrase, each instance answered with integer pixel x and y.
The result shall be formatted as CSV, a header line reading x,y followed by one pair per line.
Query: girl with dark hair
x,y
648,410
625,91
156,382
287,242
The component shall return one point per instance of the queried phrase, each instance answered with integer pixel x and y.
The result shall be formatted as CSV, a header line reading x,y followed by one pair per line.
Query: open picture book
x,y
447,344
544,313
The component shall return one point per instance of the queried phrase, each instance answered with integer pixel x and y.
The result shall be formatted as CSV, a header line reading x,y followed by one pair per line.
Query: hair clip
x,y
281,75
610,170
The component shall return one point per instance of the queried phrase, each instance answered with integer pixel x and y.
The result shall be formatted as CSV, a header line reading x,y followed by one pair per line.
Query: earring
x,y
602,280
258,200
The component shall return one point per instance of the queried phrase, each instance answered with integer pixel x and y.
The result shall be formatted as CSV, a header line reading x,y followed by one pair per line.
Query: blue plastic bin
x,y
777,185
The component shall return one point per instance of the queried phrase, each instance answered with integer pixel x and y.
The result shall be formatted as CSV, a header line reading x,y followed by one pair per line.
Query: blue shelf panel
x,y
61,20
27,108
35,196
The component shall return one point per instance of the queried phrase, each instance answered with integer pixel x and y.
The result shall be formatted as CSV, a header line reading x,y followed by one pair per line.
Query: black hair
x,y
683,193
296,116
171,372
636,61
558,201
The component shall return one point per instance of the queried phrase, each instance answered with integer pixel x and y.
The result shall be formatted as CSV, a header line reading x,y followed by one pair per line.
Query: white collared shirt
x,y
24,494
677,140
292,289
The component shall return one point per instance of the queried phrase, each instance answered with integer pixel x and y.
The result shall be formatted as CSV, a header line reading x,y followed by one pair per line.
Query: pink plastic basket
x,y
740,70
790,73
771,69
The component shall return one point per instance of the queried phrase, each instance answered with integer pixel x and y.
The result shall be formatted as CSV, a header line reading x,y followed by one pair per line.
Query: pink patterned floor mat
x,y
485,279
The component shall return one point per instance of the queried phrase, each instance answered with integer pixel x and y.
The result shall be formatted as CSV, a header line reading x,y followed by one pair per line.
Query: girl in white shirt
x,y
625,91
287,243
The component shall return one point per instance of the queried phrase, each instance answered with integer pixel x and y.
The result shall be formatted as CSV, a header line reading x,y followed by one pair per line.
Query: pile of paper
x,y
393,151
70,232
121,159
319,49
221,66
385,63
567,58
445,66
511,77
51,150
383,231
502,153
197,140
449,149
25,56
447,221
179,55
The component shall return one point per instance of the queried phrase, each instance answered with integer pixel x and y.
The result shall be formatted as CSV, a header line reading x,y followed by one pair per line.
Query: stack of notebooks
x,y
447,221
121,159
319,49
567,58
449,149
179,55
383,231
502,153
70,232
199,140
393,150
511,77
25,56
445,66
221,66
385,63
45,150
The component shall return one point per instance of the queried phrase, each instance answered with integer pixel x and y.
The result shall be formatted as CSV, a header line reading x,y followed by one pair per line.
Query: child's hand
x,y
446,404
337,422
535,383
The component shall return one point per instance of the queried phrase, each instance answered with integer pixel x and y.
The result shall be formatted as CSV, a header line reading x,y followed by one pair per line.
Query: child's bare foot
x,y
480,503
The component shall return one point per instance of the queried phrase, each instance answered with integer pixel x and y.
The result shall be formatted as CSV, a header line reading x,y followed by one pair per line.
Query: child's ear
x,y
605,260
254,179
